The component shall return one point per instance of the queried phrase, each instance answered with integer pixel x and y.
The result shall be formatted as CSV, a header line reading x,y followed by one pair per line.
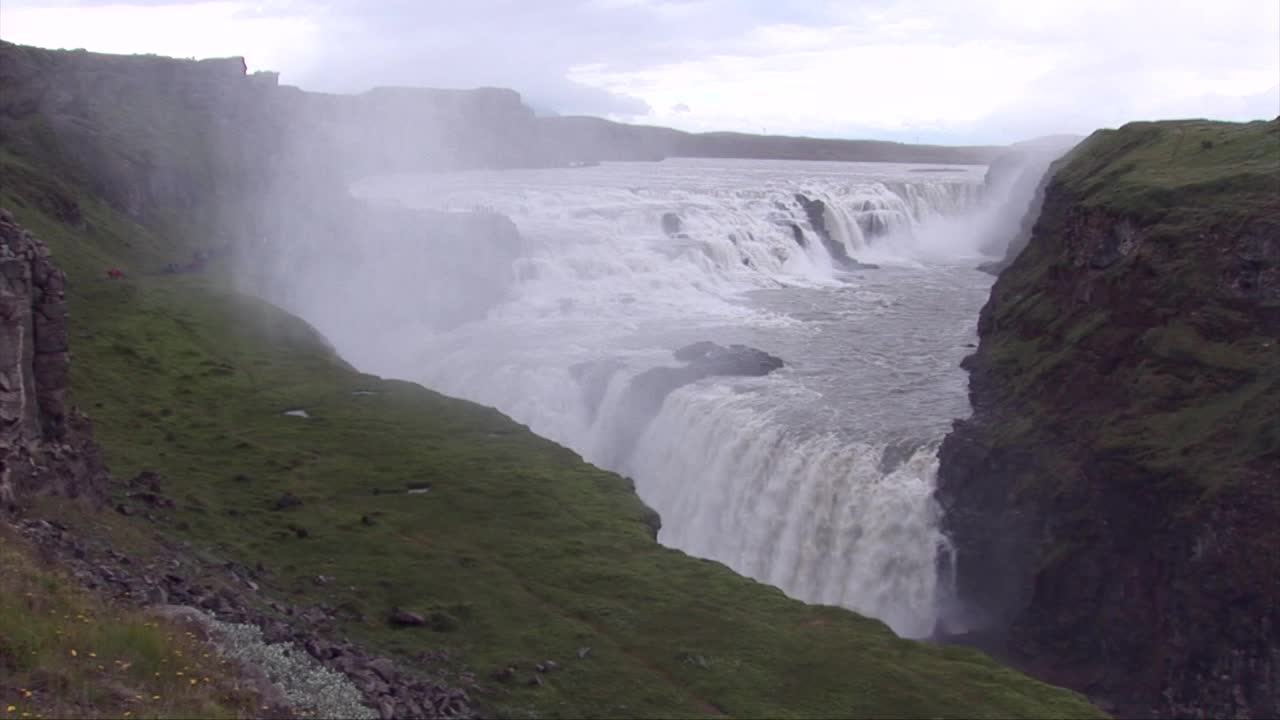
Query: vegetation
x,y
1200,374
519,552
65,653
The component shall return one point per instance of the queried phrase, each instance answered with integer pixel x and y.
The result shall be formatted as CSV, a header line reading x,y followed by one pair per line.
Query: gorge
x,y
806,447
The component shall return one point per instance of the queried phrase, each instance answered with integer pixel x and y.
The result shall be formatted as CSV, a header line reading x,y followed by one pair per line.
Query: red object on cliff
x,y
115,273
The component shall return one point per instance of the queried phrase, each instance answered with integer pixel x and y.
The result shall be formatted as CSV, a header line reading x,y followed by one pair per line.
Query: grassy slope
x,y
1200,398
523,550
64,653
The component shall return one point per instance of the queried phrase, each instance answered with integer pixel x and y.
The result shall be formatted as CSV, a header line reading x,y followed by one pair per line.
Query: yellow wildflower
x,y
11,708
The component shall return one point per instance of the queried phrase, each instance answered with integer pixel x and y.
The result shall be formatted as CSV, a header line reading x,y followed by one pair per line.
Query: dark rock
x,y
405,618
46,448
798,235
583,652
384,668
286,501
671,224
242,478
367,521
503,675
443,622
124,509
535,681
1087,548
318,649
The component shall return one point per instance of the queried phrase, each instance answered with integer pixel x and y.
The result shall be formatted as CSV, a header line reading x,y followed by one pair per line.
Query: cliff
x,y
46,446
1115,499
593,139
275,486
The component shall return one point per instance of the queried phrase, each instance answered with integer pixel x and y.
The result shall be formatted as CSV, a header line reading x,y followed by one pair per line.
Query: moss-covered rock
x,y
1115,497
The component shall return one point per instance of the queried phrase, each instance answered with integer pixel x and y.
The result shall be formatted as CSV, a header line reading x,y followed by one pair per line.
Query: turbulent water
x,y
816,478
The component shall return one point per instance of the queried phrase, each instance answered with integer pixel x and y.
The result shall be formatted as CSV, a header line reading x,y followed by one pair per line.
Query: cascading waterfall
x,y
817,478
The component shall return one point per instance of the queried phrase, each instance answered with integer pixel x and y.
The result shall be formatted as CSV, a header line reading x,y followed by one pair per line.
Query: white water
x,y
817,478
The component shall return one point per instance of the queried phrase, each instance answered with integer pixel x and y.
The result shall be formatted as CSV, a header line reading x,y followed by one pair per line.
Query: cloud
x,y
979,71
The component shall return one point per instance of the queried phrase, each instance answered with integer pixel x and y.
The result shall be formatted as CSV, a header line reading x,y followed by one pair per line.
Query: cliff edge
x,y
46,446
1115,497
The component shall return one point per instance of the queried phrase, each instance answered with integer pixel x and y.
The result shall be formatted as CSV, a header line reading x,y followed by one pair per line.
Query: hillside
x,y
1115,497
589,138
351,514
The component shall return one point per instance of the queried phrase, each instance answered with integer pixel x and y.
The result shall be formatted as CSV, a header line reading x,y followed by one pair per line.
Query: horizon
x,y
994,73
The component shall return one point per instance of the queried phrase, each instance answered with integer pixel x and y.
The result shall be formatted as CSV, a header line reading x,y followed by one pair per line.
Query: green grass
x,y
65,653
1155,169
520,550
1156,358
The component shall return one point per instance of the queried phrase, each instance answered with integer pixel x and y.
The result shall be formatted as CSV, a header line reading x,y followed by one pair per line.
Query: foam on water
x,y
818,478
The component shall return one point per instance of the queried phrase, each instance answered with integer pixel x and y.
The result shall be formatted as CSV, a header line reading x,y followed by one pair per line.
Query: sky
x,y
944,71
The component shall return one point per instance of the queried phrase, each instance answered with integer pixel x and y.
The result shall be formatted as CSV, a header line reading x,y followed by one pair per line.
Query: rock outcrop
x,y
1115,498
46,447
816,211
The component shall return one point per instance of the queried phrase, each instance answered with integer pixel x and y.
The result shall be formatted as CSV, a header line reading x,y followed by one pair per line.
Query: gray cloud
x,y
1012,69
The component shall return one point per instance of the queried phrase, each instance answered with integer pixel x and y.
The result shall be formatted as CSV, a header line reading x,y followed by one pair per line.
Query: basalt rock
x,y
1114,500
816,211
46,447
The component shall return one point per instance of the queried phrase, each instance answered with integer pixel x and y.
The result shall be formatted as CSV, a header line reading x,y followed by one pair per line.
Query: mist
x,y
633,310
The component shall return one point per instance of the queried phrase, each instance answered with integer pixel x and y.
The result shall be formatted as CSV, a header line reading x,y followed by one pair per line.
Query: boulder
x,y
286,501
671,224
404,618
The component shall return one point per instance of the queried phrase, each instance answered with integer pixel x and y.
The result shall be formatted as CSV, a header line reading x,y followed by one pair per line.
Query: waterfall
x,y
818,478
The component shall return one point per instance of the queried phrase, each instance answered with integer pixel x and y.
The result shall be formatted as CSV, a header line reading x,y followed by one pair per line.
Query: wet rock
x,y
671,224
798,235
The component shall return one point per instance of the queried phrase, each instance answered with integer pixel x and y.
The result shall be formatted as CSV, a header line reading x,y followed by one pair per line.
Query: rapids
x,y
817,478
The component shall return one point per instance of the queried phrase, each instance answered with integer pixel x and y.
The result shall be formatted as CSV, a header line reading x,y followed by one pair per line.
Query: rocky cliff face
x,y
1115,497
45,446
159,136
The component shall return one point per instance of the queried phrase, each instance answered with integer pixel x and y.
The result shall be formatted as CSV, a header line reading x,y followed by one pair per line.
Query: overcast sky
x,y
951,71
